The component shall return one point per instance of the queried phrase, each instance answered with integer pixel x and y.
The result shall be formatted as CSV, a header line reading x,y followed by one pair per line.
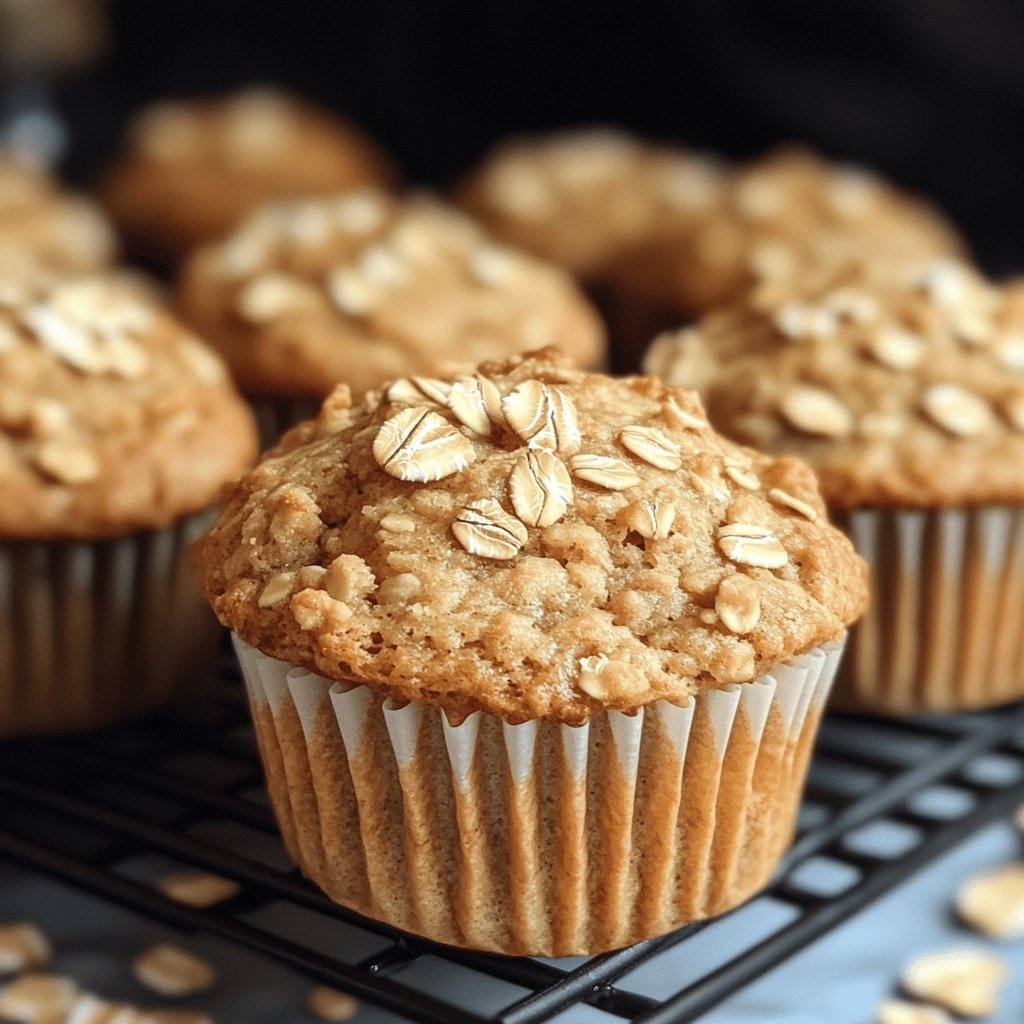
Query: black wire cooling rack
x,y
186,784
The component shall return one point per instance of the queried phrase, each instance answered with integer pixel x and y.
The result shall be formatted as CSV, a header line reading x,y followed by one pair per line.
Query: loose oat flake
x,y
543,416
750,544
605,471
173,971
419,445
38,997
484,528
651,445
993,903
23,947
196,888
899,1011
540,488
964,981
330,1004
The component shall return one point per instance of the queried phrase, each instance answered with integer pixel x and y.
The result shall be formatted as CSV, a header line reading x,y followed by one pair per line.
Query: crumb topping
x,y
913,397
112,416
579,543
361,287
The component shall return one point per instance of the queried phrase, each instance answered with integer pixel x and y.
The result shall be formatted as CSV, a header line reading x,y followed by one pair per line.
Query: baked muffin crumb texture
x,y
563,543
901,390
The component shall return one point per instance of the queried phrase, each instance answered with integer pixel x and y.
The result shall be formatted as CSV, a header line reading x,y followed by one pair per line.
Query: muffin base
x,y
945,630
536,839
93,631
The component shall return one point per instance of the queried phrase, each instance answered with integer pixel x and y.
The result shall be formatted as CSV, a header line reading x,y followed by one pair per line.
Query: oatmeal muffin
x,y
189,171
581,198
778,216
117,430
536,658
360,288
46,230
906,395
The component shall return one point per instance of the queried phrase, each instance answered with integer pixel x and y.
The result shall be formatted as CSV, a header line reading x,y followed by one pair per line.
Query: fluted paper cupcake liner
x,y
537,838
92,631
945,630
276,414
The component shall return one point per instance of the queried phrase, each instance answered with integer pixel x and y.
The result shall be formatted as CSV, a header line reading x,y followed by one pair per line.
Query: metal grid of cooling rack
x,y
187,785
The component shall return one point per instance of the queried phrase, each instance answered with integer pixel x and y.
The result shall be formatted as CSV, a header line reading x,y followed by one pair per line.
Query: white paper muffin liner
x,y
945,630
91,631
538,838
276,414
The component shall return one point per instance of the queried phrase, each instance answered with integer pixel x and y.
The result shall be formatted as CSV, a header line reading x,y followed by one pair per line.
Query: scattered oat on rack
x,y
173,971
330,1004
199,889
965,981
23,947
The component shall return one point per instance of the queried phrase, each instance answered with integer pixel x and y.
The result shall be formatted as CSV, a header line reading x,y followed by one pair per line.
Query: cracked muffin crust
x,y
582,198
46,230
777,216
189,171
361,287
113,417
901,390
532,541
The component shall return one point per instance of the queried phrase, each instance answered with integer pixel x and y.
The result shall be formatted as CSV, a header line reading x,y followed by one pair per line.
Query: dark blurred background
x,y
931,92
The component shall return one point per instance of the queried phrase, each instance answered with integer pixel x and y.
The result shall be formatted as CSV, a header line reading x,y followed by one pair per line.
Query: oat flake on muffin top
x,y
361,287
113,417
529,540
901,389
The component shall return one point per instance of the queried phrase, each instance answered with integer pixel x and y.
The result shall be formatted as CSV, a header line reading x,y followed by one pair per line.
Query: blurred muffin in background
x,y
905,393
190,170
45,230
362,287
536,663
581,198
117,430
779,215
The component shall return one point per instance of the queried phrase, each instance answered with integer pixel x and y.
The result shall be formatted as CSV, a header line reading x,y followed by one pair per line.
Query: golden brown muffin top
x,y
190,170
779,215
582,198
903,389
532,541
362,287
113,417
47,230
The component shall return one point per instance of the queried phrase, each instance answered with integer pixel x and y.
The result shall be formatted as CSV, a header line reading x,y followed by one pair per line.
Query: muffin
x,y
189,171
905,393
535,658
46,230
117,430
361,288
581,198
779,215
